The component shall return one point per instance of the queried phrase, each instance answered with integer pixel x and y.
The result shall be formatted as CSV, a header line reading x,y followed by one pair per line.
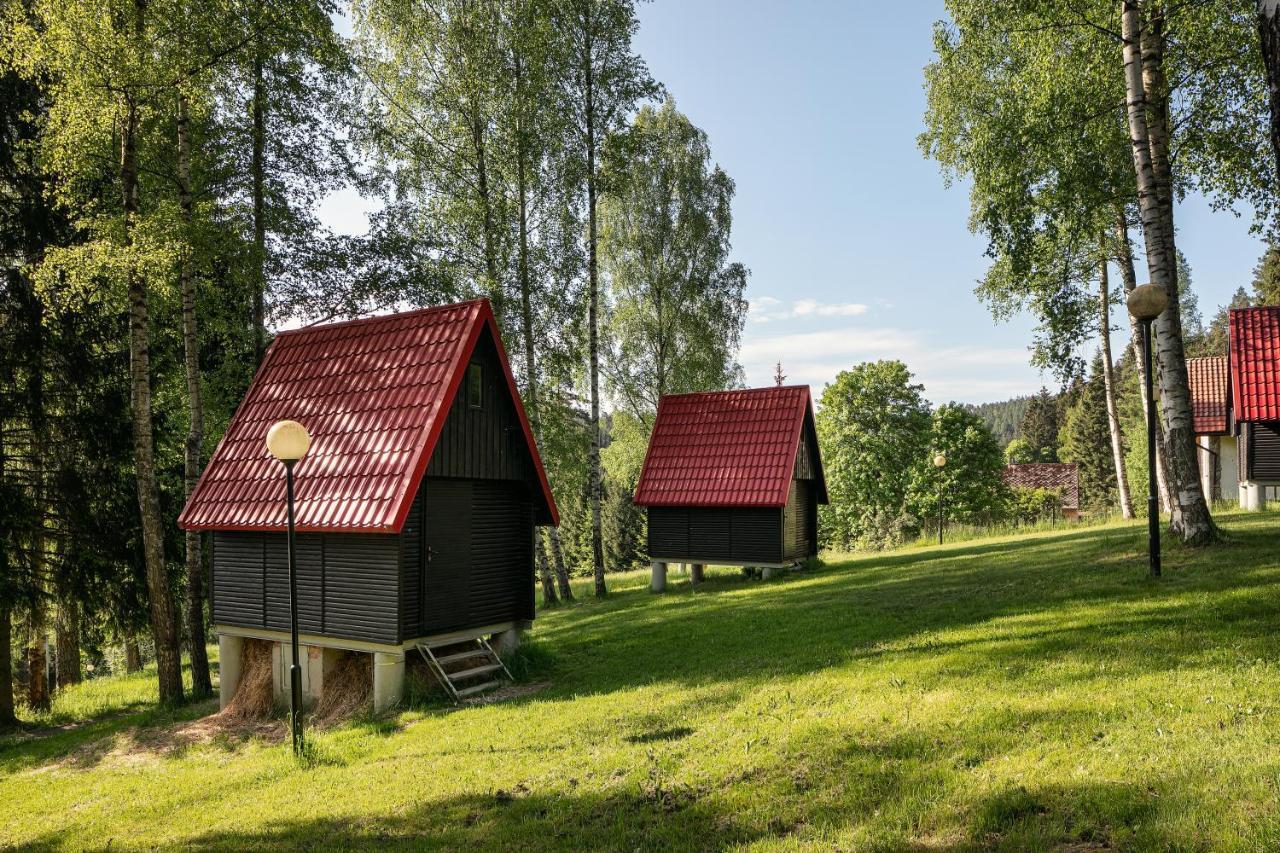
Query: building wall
x,y
800,522
1216,456
714,534
1260,452
348,583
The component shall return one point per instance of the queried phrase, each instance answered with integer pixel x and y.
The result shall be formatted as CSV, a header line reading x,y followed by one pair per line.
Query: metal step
x,y
470,653
467,691
450,680
474,671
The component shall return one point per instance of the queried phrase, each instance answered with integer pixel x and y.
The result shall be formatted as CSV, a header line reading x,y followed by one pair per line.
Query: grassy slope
x,y
1015,693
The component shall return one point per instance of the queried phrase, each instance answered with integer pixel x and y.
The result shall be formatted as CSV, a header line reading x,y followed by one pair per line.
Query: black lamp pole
x,y
1153,504
942,512
295,671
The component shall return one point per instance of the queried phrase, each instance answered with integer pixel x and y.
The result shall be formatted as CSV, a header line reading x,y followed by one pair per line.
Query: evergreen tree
x,y
1086,441
1039,427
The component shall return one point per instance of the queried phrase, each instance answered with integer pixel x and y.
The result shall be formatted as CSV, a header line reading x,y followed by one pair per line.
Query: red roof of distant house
x,y
1061,476
726,448
374,394
1255,363
1210,394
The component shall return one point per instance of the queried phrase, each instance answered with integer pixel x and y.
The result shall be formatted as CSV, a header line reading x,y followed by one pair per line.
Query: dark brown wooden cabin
x,y
416,504
1254,355
733,478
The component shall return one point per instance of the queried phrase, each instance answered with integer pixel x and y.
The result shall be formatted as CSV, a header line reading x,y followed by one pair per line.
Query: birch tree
x,y
602,80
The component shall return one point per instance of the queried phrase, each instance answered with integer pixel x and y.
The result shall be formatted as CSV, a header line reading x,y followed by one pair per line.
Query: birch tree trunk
x,y
1129,277
201,683
1147,109
594,476
1268,23
163,621
258,167
544,570
1108,379
562,569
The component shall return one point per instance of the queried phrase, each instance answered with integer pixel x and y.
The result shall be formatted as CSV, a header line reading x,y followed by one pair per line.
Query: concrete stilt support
x,y
230,649
506,642
658,583
696,573
388,679
1252,497
766,573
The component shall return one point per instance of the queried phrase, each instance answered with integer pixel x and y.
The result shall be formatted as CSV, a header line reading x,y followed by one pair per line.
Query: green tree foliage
x,y
1039,427
1020,452
873,425
970,482
1086,441
676,301
1266,277
1002,418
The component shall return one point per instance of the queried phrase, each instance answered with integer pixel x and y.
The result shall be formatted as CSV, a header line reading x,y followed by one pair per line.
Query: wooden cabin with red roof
x,y
415,505
1254,352
732,478
1216,447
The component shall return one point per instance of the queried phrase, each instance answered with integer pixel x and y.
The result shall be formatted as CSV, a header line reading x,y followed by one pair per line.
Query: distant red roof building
x,y
726,449
374,394
1060,476
1210,395
1255,363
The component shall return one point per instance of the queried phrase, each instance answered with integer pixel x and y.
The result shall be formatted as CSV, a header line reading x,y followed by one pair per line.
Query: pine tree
x,y
1040,426
1086,441
1266,277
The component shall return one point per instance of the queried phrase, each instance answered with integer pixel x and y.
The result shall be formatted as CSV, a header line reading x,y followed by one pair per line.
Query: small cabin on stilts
x,y
415,506
732,478
1254,352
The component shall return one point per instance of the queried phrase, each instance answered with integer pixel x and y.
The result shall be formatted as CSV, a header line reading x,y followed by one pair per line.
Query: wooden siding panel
x,y
754,533
237,585
310,581
501,587
1264,452
485,443
361,585
411,571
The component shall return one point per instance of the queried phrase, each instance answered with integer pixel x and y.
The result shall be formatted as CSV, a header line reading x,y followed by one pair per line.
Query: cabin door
x,y
446,554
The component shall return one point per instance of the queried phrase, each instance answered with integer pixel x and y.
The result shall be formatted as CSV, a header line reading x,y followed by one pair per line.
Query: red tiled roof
x,y
724,448
1255,363
1209,394
1062,476
374,394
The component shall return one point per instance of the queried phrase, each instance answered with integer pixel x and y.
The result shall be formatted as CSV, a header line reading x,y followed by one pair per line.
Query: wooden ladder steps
x,y
454,679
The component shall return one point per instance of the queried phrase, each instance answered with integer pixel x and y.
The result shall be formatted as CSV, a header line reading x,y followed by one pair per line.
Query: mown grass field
x,y
1022,693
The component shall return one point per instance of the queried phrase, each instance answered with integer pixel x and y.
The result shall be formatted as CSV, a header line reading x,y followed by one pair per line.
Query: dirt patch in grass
x,y
507,693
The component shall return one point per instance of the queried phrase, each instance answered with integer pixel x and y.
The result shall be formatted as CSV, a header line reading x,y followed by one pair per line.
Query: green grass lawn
x,y
1018,693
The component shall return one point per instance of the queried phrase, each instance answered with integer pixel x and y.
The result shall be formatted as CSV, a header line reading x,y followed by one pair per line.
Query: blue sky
x,y
856,248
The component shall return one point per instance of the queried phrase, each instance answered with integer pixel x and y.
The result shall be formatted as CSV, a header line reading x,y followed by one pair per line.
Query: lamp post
x,y
289,441
1145,304
940,462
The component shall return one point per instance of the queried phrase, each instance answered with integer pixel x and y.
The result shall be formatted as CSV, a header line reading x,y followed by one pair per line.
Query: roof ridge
x,y
355,321
770,388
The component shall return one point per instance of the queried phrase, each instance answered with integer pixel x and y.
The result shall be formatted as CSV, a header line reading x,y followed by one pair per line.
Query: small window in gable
x,y
475,385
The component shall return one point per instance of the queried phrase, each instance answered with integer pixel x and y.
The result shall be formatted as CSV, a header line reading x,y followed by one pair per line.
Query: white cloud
x,y
962,373
764,309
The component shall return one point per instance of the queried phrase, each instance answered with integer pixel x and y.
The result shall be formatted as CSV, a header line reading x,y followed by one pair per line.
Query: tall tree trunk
x,y
594,474
1147,109
1268,22
37,660
132,653
201,683
258,167
1108,380
562,569
1129,277
489,237
67,629
8,718
163,616
544,570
